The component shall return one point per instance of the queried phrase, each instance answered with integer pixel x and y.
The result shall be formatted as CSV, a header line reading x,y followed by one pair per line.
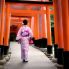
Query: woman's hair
x,y
25,22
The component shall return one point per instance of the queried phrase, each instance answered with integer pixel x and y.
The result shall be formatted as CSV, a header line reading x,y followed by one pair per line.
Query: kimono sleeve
x,y
19,34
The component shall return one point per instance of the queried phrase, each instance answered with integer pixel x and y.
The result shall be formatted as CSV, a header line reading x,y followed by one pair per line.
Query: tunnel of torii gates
x,y
39,21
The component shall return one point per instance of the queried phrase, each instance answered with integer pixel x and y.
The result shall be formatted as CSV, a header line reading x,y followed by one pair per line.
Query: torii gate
x,y
10,11
61,29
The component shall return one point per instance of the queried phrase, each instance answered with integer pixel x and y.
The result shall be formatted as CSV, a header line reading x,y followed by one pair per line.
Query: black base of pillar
x,y
60,56
66,59
42,43
1,51
6,48
55,50
49,49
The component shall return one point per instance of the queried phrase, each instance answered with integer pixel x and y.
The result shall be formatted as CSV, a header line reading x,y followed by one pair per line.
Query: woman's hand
x,y
19,41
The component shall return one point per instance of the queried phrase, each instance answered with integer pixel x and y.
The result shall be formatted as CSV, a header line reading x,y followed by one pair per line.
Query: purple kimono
x,y
23,35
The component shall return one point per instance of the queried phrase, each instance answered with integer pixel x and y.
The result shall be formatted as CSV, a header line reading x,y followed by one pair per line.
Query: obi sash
x,y
25,33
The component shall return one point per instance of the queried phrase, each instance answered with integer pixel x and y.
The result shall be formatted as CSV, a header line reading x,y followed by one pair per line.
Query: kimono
x,y
23,36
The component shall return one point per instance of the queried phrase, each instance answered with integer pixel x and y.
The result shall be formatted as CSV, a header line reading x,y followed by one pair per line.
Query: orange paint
x,y
65,20
36,27
7,25
44,28
55,23
0,29
20,12
29,22
52,12
49,37
27,11
2,21
58,19
32,24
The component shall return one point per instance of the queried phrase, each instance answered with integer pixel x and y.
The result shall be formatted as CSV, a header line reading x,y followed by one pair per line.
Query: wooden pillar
x,y
58,11
55,29
36,27
29,21
32,24
44,23
49,37
65,21
40,26
2,26
7,29
44,29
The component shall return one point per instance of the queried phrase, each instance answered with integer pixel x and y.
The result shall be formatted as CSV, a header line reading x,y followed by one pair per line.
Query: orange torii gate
x,y
29,14
16,12
2,27
58,25
9,12
61,29
61,14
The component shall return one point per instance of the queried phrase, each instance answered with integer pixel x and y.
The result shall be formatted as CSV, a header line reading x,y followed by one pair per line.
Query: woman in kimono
x,y
23,36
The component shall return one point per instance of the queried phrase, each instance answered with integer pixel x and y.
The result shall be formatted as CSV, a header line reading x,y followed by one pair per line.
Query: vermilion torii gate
x,y
61,27
11,12
61,12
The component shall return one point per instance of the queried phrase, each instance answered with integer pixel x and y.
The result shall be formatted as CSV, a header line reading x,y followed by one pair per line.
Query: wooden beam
x,y
30,2
22,14
27,11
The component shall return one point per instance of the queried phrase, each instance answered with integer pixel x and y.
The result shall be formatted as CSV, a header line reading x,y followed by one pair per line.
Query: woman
x,y
23,36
